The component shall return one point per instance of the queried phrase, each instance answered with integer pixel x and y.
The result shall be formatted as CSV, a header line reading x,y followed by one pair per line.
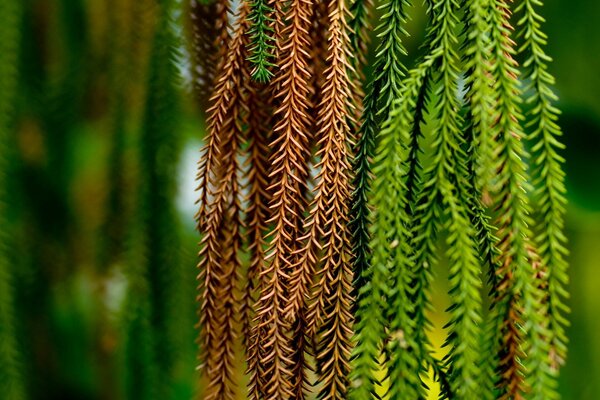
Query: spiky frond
x,y
219,265
547,172
359,25
288,175
330,312
448,176
257,213
522,298
261,41
391,244
218,106
385,87
479,135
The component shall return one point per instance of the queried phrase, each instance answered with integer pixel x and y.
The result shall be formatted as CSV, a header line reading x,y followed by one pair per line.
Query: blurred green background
x,y
89,93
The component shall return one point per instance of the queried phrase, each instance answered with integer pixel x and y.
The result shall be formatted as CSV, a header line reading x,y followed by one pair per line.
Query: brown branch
x,y
257,213
219,87
330,311
289,173
219,221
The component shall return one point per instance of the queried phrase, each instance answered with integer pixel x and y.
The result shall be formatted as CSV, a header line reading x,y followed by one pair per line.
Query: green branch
x,y
548,174
262,41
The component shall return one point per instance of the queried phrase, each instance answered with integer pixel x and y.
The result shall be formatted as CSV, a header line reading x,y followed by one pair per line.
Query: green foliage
x,y
475,155
262,41
514,210
547,171
11,378
385,87
441,175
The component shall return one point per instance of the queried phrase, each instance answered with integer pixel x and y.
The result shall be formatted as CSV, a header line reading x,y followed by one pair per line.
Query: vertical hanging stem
x,y
289,172
220,220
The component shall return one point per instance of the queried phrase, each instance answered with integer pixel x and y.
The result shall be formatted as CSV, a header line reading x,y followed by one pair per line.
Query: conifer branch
x,y
391,243
219,265
330,312
261,41
257,213
308,256
318,54
423,197
384,88
370,277
478,132
476,49
547,173
522,296
301,368
288,176
209,162
277,22
413,175
449,176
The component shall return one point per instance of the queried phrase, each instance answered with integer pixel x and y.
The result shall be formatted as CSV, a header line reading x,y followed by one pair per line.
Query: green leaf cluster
x,y
474,193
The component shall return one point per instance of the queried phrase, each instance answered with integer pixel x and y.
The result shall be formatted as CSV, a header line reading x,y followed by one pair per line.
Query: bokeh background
x,y
82,107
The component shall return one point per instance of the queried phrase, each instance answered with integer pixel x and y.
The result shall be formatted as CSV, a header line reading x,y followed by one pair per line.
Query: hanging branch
x,y
219,264
548,174
330,312
277,23
519,292
505,298
390,244
209,161
257,213
384,88
446,187
478,82
262,41
478,132
11,384
318,49
305,264
308,238
288,175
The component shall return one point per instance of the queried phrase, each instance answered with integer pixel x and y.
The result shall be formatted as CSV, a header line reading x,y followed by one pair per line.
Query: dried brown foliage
x,y
295,294
257,213
288,175
219,220
331,309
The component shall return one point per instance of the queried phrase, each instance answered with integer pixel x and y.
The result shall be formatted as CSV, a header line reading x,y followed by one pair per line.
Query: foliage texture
x,y
350,201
